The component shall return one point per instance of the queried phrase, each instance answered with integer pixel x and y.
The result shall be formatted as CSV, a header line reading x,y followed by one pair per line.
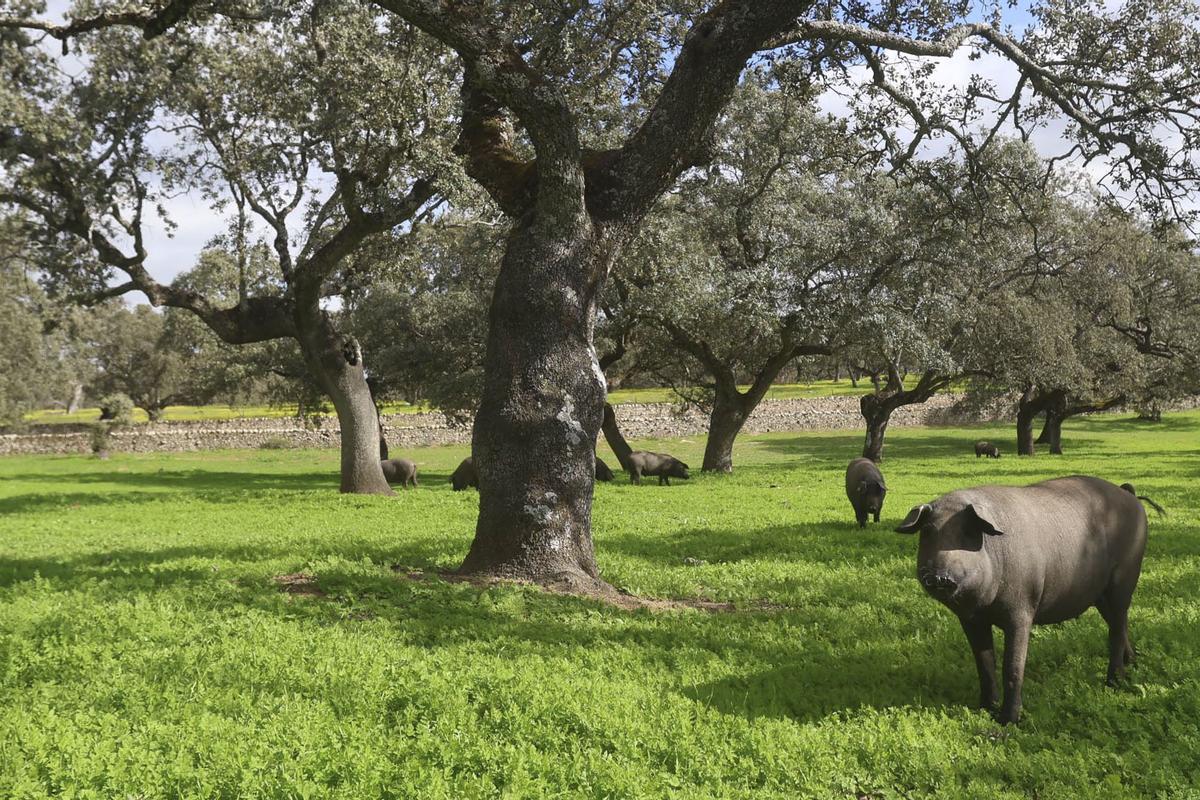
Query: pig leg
x,y
877,516
1120,651
979,634
1016,645
860,514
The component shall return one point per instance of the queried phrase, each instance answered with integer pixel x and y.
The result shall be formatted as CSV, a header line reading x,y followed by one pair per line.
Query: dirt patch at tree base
x,y
298,583
572,585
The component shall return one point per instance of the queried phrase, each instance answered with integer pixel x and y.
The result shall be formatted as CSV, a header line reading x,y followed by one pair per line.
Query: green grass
x,y
146,652
781,391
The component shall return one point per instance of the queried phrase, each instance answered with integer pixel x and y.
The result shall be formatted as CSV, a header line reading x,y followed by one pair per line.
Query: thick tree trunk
x,y
542,404
724,424
336,362
876,414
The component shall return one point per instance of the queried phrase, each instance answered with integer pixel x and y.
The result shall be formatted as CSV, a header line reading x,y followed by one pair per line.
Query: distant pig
x,y
400,470
660,465
986,449
865,488
464,475
1018,556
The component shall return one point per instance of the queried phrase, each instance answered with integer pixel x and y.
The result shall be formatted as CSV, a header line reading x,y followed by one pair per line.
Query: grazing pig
x,y
465,475
986,449
603,473
400,470
1018,556
661,465
865,488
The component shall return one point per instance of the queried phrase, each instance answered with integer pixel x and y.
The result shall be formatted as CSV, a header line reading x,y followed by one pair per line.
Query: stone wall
x,y
637,420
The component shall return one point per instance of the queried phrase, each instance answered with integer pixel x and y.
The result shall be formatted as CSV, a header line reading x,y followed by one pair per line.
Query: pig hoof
x,y
1008,718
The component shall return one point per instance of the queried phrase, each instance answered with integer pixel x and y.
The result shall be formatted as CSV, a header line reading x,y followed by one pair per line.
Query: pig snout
x,y
939,583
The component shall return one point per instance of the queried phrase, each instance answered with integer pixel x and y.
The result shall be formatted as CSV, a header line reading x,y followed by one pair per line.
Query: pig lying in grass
x,y
1018,556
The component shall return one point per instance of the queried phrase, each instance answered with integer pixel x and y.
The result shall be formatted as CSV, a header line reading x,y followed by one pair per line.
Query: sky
x,y
196,222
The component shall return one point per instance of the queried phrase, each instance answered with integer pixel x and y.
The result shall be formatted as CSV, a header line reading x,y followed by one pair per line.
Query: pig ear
x,y
985,519
915,519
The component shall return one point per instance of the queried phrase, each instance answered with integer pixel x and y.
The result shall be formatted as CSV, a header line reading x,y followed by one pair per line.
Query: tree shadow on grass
x,y
802,664
820,682
834,541
1102,423
202,484
848,446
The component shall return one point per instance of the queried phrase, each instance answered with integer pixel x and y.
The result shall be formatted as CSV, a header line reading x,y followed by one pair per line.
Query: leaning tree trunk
x,y
1052,432
541,409
383,445
876,413
336,362
1056,412
616,440
724,424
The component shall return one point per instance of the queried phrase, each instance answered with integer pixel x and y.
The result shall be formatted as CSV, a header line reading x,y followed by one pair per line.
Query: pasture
x,y
225,624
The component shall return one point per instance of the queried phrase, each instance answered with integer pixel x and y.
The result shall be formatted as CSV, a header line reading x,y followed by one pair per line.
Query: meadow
x,y
225,625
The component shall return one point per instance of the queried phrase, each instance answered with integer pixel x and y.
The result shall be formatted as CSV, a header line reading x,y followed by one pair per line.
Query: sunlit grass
x,y
145,650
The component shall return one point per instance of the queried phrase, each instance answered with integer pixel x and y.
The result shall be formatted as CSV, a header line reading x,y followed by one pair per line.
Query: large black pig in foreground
x,y
1018,556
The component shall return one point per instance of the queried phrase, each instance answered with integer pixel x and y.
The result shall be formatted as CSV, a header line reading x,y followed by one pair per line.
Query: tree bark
x,y
1062,407
1054,422
336,362
616,440
372,384
724,424
542,405
1028,407
877,408
877,414
1052,432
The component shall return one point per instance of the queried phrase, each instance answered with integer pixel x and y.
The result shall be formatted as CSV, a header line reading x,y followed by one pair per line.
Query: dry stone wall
x,y
638,421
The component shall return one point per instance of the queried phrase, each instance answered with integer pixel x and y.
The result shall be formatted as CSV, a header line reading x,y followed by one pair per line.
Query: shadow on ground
x,y
203,484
